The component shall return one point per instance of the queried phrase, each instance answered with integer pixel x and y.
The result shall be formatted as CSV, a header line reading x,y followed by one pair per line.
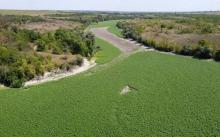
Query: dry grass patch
x,y
59,59
51,25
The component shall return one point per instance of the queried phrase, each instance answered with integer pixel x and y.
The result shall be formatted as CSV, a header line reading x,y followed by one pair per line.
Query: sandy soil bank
x,y
59,74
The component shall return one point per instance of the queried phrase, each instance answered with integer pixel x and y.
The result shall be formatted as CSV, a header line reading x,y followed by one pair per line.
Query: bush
x,y
186,50
170,26
162,26
22,45
57,50
17,83
7,56
29,72
164,46
41,45
10,77
76,42
39,68
203,52
150,43
78,61
65,66
203,42
217,55
185,31
207,29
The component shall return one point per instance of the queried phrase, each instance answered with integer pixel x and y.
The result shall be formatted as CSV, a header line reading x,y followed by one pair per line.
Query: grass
x,y
111,27
176,96
107,52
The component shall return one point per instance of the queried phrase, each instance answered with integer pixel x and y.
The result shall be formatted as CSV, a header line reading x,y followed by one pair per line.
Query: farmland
x,y
168,95
176,96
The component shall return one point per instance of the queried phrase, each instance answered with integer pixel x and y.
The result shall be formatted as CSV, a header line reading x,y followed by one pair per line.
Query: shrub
x,y
29,34
203,42
17,83
29,72
164,46
76,42
150,43
33,35
170,26
65,66
41,45
162,26
185,31
78,61
186,50
22,45
177,48
207,29
217,55
10,77
3,73
7,56
39,68
203,52
56,50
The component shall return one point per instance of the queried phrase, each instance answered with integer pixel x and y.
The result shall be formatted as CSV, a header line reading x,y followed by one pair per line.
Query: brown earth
x,y
50,25
124,45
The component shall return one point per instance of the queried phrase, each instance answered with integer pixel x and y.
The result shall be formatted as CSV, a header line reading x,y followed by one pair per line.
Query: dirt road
x,y
124,45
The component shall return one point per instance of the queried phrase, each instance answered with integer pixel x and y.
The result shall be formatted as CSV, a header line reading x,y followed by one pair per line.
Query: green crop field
x,y
107,52
175,96
111,27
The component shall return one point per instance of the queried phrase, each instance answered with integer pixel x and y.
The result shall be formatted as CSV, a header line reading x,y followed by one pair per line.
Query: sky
x,y
113,5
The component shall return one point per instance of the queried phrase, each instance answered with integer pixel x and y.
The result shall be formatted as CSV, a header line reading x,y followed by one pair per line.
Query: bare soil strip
x,y
52,76
124,45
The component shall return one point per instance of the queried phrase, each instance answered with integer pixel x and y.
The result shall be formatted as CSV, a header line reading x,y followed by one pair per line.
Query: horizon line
x,y
125,11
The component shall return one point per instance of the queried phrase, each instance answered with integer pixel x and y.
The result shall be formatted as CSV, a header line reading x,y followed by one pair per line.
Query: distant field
x,y
176,96
111,27
26,12
176,31
107,51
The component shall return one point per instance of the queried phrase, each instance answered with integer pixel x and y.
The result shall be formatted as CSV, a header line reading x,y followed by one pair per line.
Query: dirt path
x,y
124,45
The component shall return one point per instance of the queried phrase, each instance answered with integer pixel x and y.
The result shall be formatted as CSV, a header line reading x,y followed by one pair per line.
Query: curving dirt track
x,y
124,45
